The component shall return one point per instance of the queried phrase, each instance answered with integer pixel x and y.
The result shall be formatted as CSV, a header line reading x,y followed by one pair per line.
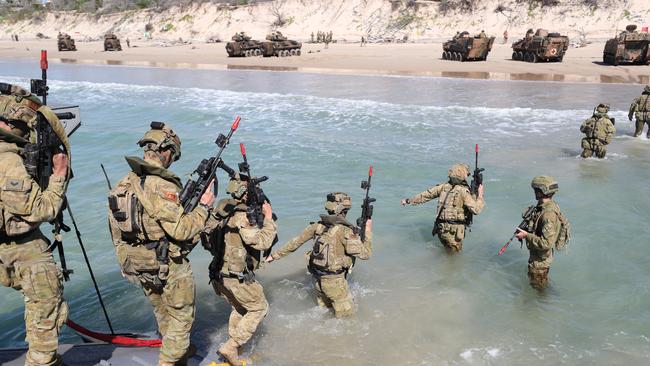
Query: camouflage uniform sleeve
x,y
253,236
633,107
585,126
472,203
357,248
549,232
610,129
21,195
426,196
295,243
169,212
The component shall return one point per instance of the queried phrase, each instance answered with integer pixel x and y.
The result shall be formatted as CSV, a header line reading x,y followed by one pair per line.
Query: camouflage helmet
x,y
602,108
18,105
236,187
545,184
631,28
160,137
646,89
338,202
459,171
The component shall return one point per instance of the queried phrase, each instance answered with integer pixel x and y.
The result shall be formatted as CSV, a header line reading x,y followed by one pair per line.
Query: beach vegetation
x,y
187,18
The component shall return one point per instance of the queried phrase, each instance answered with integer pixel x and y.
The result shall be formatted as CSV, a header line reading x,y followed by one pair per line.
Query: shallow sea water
x,y
312,134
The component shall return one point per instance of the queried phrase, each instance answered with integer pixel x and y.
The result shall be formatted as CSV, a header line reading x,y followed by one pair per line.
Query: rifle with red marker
x,y
366,207
206,173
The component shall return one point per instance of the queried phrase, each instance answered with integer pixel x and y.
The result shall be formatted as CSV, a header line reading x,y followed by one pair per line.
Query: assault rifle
x,y
255,195
38,162
523,226
254,201
206,172
477,180
477,176
366,207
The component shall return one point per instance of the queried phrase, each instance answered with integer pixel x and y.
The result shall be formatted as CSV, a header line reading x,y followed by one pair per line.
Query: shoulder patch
x,y
170,196
14,185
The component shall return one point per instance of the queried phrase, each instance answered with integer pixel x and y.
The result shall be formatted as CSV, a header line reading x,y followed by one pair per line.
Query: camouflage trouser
x,y
29,267
333,292
451,236
639,127
249,307
173,306
538,276
593,146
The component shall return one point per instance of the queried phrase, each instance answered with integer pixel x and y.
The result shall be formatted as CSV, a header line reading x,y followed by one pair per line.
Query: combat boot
x,y
191,351
230,352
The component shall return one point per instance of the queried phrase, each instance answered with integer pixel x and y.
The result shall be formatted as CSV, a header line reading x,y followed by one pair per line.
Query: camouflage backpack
x,y
564,235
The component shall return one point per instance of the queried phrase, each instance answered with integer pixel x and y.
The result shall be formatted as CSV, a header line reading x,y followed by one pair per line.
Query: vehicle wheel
x,y
298,52
461,57
617,60
293,52
534,58
515,56
605,59
444,55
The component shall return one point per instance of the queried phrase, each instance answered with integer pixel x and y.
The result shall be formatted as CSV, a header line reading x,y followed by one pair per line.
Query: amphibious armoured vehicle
x,y
540,46
278,45
243,45
111,42
464,47
630,47
65,42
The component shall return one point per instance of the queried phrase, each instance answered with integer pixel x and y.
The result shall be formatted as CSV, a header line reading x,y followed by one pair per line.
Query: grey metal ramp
x,y
102,354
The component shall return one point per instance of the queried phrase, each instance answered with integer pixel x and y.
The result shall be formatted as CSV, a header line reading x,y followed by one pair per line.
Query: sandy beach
x,y
410,59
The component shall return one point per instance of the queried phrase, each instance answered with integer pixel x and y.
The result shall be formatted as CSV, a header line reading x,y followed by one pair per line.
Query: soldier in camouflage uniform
x,y
545,224
26,262
153,236
456,206
232,272
599,130
336,246
640,109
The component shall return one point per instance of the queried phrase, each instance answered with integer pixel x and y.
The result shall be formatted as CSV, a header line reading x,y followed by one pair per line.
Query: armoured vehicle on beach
x,y
464,47
630,47
278,45
65,42
243,45
111,42
540,46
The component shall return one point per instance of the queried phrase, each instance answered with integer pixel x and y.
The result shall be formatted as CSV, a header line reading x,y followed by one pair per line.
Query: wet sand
x,y
580,64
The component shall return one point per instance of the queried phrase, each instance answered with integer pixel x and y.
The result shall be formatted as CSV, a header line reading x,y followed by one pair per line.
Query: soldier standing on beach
x,y
26,262
456,204
640,109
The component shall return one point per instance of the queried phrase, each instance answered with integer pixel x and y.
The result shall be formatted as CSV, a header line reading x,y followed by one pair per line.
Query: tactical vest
x,y
643,108
563,230
451,207
328,254
597,128
12,225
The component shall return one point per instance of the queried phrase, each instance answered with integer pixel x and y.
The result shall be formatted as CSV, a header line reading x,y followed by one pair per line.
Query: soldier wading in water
x,y
456,206
599,130
545,229
336,246
237,246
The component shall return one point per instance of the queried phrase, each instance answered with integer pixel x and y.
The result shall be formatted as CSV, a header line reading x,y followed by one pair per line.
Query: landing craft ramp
x,y
103,354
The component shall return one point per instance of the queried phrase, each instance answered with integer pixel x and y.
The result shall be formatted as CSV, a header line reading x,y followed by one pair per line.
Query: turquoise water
x,y
312,134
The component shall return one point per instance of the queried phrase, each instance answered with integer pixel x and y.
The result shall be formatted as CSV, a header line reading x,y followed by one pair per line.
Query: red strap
x,y
115,339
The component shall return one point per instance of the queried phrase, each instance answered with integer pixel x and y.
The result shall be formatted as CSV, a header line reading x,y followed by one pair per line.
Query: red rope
x,y
115,339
